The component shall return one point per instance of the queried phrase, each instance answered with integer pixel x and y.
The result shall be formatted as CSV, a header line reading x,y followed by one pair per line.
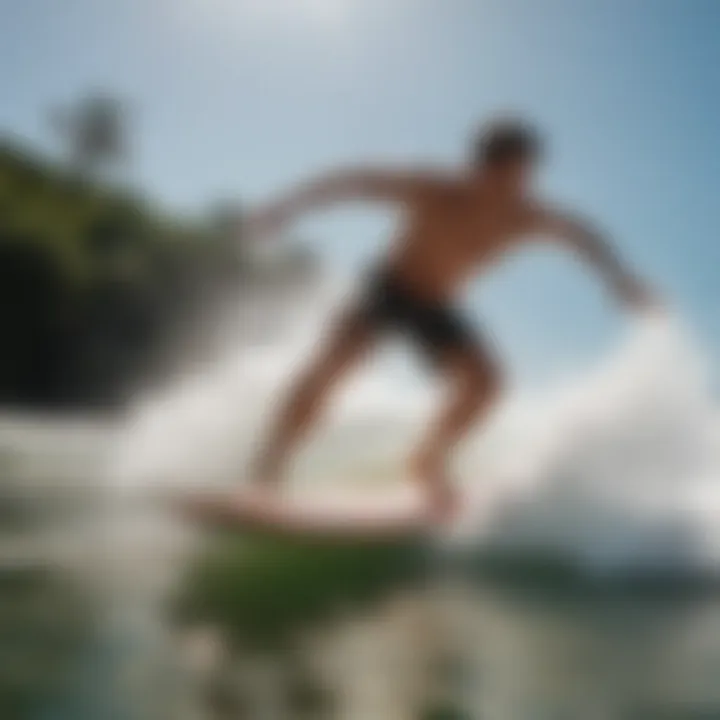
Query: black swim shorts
x,y
437,328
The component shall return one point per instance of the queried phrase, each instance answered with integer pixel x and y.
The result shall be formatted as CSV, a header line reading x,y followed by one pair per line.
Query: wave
x,y
616,466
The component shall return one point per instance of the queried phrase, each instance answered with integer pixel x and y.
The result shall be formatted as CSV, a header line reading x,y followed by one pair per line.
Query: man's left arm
x,y
593,247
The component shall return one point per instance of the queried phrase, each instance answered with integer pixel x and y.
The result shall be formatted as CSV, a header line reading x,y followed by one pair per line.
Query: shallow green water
x,y
93,626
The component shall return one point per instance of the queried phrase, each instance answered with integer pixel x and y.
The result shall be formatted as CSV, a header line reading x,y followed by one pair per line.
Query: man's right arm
x,y
342,186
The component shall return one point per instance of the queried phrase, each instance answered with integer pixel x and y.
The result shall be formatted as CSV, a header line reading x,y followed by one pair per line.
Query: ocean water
x,y
612,472
615,467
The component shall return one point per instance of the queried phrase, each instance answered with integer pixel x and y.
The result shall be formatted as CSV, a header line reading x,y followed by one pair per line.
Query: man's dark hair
x,y
506,140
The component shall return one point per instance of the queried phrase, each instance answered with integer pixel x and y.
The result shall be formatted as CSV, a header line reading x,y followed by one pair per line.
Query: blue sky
x,y
242,97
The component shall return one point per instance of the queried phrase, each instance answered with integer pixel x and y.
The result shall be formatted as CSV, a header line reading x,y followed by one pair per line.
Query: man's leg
x,y
473,385
301,409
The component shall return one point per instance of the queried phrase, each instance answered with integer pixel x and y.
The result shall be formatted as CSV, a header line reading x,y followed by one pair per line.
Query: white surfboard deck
x,y
356,515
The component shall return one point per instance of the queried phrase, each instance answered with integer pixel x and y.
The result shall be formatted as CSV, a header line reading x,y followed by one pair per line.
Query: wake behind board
x,y
359,518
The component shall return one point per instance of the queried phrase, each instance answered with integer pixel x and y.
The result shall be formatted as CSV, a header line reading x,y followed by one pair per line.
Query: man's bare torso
x,y
453,230
454,226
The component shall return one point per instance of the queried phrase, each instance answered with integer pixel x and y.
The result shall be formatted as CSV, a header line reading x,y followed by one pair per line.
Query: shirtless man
x,y
455,226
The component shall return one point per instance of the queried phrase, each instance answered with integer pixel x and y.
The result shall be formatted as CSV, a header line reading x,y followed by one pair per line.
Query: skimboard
x,y
359,517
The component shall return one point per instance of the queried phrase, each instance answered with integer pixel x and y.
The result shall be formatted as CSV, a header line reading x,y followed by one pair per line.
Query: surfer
x,y
454,226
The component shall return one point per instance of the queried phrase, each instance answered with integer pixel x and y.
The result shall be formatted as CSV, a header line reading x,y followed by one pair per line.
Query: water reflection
x,y
108,612
483,648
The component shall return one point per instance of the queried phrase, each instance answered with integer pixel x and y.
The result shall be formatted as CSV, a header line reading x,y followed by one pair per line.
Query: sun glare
x,y
324,13
322,23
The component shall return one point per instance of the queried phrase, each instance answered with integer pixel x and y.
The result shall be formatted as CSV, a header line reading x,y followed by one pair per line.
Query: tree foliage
x,y
96,282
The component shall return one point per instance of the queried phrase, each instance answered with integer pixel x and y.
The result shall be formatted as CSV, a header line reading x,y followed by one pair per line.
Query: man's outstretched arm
x,y
341,186
593,247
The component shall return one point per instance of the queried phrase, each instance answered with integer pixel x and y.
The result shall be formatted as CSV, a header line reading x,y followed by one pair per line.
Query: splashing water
x,y
616,466
619,466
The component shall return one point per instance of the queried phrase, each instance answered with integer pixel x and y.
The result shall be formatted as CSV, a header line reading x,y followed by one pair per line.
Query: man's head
x,y
507,151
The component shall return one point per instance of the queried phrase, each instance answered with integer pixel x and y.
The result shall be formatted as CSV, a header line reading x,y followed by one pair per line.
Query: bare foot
x,y
266,474
262,484
430,472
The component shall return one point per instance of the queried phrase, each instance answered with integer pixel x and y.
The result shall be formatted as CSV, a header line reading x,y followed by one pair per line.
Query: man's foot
x,y
429,470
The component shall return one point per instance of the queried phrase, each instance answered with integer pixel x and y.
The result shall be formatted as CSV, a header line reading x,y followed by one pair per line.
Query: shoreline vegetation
x,y
101,290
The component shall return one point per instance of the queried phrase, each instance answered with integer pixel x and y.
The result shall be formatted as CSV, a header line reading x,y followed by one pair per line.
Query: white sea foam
x,y
615,466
